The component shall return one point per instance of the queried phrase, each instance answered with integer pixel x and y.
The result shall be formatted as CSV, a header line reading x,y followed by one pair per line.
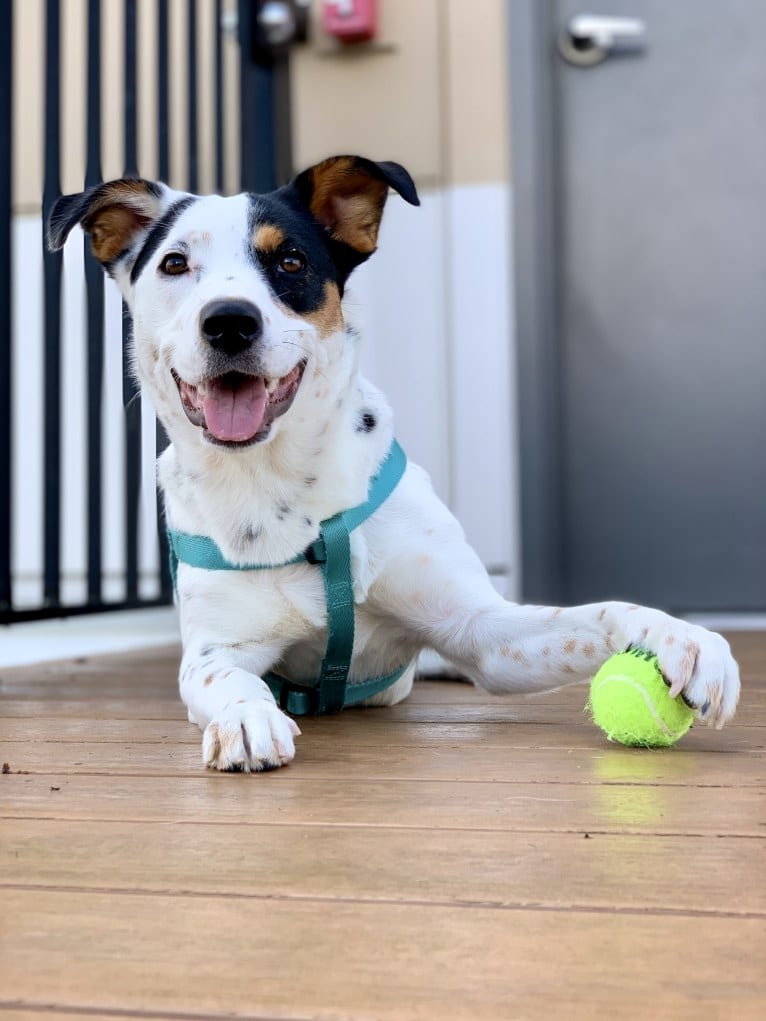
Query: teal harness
x,y
331,552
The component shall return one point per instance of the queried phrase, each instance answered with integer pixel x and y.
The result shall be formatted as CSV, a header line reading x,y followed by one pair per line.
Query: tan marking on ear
x,y
122,209
268,237
558,610
208,680
570,646
602,614
547,651
111,230
589,649
349,202
327,319
670,640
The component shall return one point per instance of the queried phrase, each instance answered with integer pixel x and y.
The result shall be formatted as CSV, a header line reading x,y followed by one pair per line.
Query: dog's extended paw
x,y
249,737
698,664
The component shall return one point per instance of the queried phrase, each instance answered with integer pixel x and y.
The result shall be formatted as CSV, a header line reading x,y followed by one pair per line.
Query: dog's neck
x,y
264,504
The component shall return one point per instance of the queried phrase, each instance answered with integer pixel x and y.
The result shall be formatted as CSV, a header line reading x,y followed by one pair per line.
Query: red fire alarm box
x,y
351,21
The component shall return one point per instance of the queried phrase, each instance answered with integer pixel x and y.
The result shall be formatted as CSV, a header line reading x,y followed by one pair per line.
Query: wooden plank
x,y
103,707
282,797
55,1011
388,755
460,867
356,726
202,954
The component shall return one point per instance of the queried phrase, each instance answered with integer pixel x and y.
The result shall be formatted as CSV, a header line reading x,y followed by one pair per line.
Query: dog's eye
x,y
292,261
174,264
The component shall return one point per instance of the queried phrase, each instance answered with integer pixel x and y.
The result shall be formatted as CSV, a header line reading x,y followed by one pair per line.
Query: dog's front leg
x,y
450,603
551,646
244,729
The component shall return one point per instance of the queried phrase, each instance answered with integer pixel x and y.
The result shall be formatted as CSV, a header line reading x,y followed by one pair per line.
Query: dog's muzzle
x,y
235,404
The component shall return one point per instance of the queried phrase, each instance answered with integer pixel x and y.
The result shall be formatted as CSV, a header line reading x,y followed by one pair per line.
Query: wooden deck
x,y
458,856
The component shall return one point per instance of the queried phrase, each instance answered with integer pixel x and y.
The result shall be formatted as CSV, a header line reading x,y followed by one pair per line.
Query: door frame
x,y
537,228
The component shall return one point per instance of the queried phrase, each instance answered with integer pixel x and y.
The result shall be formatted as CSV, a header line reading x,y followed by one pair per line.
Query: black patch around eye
x,y
159,231
305,291
366,422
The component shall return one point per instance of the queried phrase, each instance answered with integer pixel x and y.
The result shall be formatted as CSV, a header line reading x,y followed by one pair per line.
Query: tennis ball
x,y
631,703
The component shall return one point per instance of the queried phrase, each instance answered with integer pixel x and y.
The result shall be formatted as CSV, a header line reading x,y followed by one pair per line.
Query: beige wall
x,y
28,141
431,92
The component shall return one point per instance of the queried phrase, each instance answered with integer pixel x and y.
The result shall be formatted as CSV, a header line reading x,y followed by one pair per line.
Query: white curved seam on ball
x,y
649,704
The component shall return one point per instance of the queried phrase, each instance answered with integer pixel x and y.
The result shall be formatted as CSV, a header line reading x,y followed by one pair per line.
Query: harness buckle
x,y
297,700
316,552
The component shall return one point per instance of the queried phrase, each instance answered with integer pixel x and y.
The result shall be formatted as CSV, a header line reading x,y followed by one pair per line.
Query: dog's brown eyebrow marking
x,y
268,237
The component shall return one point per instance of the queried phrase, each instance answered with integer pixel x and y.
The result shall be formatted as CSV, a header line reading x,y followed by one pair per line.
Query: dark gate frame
x,y
265,162
536,222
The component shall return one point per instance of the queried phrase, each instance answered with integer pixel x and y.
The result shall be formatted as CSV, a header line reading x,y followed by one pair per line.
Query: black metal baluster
x,y
52,318
163,164
163,92
6,212
218,107
94,282
191,91
257,171
265,133
130,391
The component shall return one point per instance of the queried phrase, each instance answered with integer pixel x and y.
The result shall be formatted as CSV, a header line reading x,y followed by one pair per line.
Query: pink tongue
x,y
234,411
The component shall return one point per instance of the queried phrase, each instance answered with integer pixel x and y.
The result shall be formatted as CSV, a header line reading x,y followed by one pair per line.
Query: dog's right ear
x,y
115,214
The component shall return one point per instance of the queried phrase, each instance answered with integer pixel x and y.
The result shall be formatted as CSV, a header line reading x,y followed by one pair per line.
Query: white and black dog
x,y
241,344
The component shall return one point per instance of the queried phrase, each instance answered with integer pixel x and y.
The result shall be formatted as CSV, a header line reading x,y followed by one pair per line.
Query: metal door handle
x,y
588,39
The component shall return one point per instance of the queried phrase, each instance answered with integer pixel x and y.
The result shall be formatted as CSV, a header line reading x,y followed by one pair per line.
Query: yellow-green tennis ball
x,y
631,702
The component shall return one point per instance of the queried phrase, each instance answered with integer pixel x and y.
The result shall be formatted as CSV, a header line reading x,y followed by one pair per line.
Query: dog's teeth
x,y
271,385
201,388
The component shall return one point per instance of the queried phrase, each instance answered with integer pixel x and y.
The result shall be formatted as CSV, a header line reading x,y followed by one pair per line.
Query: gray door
x,y
659,235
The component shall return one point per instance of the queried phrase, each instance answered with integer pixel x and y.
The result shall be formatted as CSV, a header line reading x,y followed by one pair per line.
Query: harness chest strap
x,y
332,553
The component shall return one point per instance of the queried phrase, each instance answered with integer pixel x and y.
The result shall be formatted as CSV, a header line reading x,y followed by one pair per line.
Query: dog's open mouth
x,y
237,409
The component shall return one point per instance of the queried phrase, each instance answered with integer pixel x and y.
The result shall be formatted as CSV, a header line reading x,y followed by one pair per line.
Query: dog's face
x,y
235,300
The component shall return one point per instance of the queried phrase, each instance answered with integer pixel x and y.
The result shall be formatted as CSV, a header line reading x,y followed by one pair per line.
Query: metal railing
x,y
263,158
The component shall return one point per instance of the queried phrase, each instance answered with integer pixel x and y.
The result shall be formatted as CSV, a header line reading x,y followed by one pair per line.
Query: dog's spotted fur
x,y
286,371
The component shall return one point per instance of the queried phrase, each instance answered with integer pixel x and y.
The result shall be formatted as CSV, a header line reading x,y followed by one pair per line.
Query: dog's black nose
x,y
231,326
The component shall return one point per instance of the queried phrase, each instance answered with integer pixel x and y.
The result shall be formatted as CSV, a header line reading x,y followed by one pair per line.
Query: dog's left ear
x,y
346,194
115,214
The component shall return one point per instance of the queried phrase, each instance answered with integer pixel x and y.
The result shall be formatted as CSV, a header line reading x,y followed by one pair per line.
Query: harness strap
x,y
332,553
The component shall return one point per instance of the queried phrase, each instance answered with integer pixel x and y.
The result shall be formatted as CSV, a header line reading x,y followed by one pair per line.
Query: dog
x,y
241,343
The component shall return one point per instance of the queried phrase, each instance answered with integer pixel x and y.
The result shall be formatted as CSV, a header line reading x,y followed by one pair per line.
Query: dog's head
x,y
234,299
